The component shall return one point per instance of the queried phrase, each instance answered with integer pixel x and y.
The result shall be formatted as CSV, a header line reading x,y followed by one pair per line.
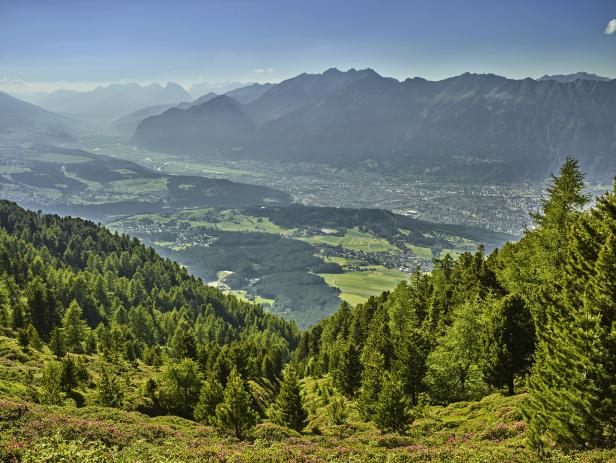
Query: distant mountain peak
x,y
565,78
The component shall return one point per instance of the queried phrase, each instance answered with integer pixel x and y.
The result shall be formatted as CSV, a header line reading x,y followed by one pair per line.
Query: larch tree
x,y
235,412
289,408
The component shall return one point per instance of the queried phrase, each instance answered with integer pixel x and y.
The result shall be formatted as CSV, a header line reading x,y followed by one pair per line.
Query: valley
x,y
300,261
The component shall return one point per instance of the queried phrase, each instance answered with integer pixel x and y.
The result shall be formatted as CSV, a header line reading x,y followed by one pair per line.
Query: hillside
x,y
302,262
476,126
78,182
111,353
28,120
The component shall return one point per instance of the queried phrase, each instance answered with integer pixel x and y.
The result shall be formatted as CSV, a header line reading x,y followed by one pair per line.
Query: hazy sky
x,y
47,44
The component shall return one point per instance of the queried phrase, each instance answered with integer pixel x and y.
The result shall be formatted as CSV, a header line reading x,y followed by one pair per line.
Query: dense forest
x,y
80,289
108,323
543,308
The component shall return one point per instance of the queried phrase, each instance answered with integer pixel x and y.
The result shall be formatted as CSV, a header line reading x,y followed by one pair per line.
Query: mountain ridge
x,y
479,124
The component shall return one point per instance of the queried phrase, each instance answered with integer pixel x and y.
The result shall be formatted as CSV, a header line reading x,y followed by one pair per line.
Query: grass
x,y
168,163
357,287
136,186
243,295
228,220
354,240
13,169
420,251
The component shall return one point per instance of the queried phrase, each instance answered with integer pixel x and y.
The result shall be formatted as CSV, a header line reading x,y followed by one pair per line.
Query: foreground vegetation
x,y
109,352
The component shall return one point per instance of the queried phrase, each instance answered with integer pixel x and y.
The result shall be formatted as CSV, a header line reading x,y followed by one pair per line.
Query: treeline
x,y
538,315
81,290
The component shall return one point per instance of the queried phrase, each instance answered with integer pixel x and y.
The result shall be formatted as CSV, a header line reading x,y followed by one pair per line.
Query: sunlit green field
x,y
420,251
353,239
357,287
232,220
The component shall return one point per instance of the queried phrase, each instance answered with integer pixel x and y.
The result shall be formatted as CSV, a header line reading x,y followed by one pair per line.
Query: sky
x,y
51,44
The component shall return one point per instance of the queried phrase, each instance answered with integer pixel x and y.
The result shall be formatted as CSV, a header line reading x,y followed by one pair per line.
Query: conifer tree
x,y
371,383
347,376
210,396
391,411
51,383
508,342
572,399
74,328
289,408
56,343
109,390
538,259
235,413
181,383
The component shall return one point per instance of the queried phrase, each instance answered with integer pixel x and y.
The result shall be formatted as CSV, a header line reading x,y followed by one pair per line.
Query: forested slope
x,y
506,357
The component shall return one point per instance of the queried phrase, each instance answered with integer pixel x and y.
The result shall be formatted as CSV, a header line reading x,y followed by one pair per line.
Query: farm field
x,y
354,240
357,287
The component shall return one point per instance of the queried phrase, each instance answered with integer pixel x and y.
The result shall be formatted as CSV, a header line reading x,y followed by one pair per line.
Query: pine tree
x,y
391,412
347,376
371,383
51,383
109,390
42,306
508,342
538,259
56,343
210,396
181,384
453,373
183,344
74,328
289,408
572,399
235,413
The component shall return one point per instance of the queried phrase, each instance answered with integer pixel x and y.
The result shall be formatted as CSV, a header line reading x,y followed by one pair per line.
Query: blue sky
x,y
47,44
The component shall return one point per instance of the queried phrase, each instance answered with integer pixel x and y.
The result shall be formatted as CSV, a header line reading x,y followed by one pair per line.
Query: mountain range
x,y
20,117
126,125
575,76
472,125
107,103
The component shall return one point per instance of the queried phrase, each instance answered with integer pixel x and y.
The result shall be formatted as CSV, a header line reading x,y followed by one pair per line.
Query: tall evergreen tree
x,y
289,408
181,384
508,342
392,407
109,390
74,328
539,257
572,399
235,412
347,376
210,396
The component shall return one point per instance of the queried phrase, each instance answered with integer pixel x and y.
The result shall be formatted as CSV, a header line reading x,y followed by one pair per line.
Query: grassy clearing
x,y
137,186
353,239
357,287
14,169
420,251
241,294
